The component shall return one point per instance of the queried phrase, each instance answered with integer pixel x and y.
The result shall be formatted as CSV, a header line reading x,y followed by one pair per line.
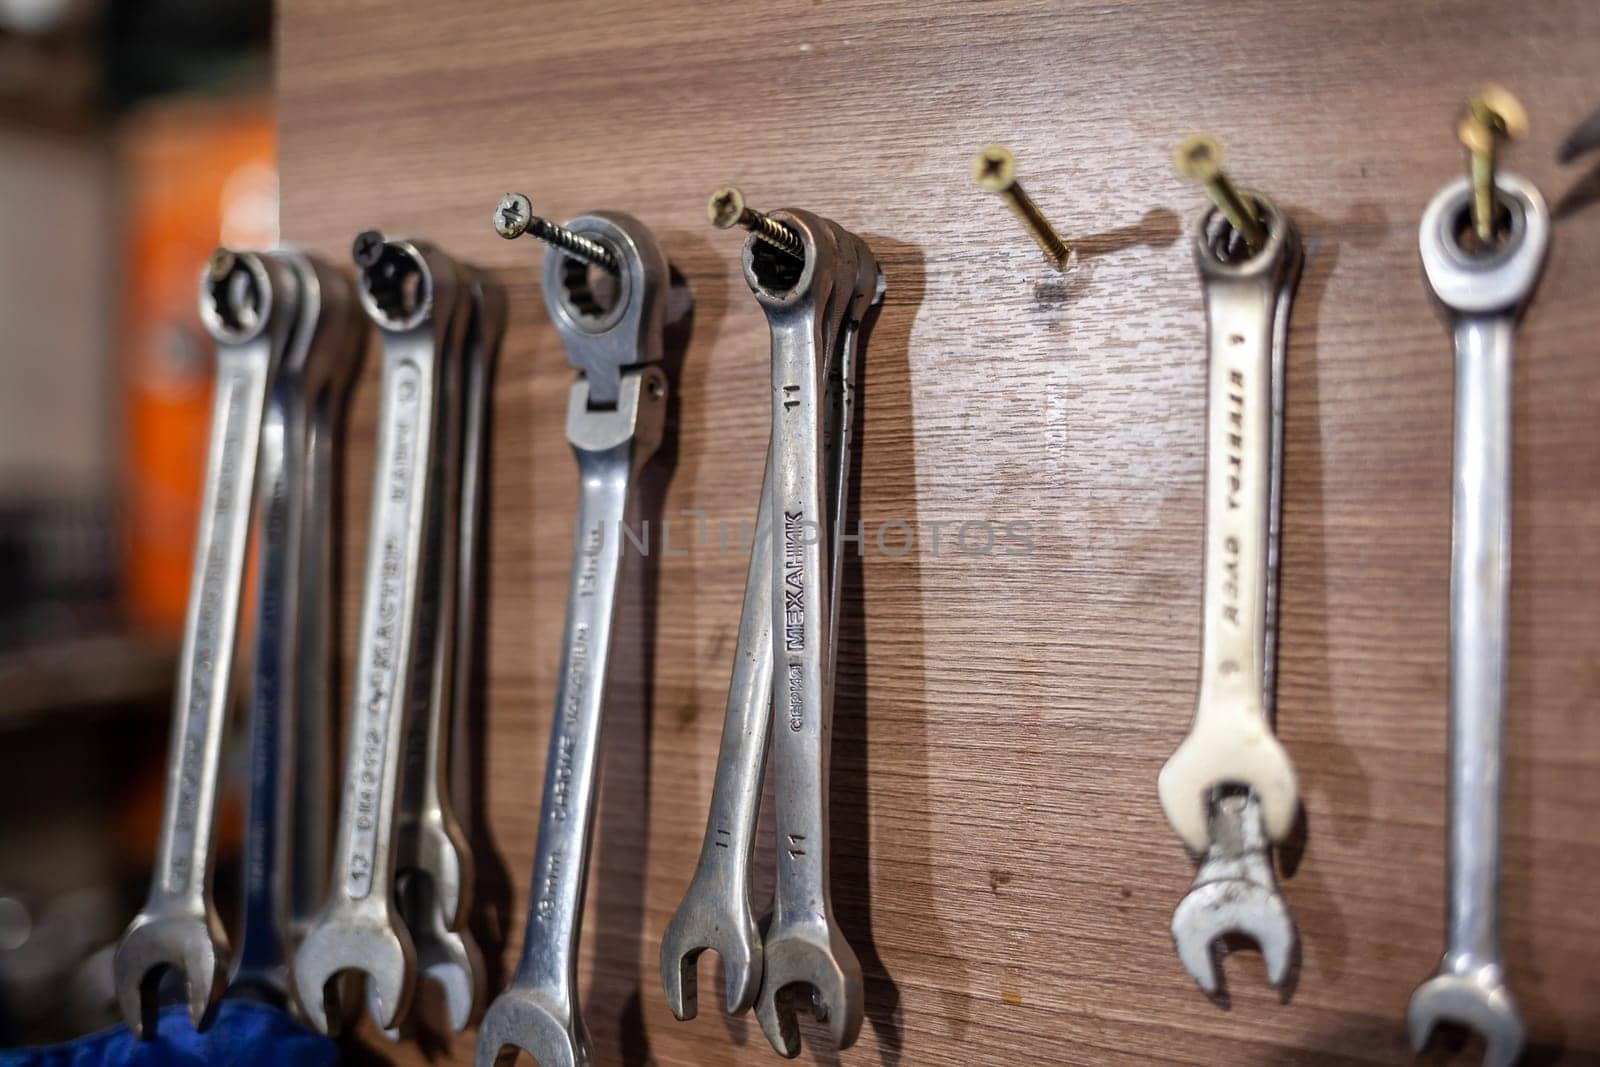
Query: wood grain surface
x,y
1001,863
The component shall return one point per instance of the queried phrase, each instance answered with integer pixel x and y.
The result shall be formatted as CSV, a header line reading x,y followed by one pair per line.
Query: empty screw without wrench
x,y
416,297
995,171
248,304
1230,789
1481,290
615,416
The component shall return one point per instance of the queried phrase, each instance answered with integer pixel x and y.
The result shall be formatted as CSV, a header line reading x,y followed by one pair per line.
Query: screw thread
x,y
575,245
1044,235
773,232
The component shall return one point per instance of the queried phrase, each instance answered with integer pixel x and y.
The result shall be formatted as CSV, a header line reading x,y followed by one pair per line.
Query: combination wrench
x,y
813,381
291,673
417,296
1481,295
615,419
248,304
1230,791
434,861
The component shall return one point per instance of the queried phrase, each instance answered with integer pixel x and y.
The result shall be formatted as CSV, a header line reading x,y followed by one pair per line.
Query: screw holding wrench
x,y
417,297
248,303
1230,790
1482,291
289,800
615,417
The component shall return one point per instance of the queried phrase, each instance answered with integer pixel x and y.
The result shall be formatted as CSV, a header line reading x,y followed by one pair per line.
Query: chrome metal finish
x,y
1481,296
615,417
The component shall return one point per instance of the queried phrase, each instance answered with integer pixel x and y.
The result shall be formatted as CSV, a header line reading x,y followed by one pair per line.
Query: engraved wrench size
x,y
416,296
291,670
248,303
1230,790
804,949
1481,294
615,418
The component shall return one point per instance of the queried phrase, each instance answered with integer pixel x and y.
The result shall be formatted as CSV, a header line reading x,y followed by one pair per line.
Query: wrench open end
x,y
834,978
155,944
520,1021
1234,906
332,947
696,929
1477,999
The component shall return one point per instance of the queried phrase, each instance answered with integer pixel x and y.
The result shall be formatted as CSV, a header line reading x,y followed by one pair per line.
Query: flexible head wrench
x,y
1231,745
248,303
1482,295
615,416
292,657
416,297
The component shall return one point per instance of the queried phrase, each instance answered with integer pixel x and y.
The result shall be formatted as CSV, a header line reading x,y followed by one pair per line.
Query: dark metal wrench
x,y
417,297
249,304
1482,295
615,417
292,661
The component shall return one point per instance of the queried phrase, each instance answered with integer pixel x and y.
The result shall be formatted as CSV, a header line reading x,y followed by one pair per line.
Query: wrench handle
x,y
1239,452
746,725
211,622
386,648
608,453
281,511
802,584
1480,565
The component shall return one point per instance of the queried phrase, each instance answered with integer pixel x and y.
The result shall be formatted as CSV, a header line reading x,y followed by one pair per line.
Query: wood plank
x,y
1002,865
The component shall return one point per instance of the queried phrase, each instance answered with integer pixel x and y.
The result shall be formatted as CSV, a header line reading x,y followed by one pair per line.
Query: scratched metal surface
x,y
1001,862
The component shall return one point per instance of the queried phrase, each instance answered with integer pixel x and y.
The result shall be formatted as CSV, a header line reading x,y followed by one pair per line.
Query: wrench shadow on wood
x,y
883,400
1159,228
613,1006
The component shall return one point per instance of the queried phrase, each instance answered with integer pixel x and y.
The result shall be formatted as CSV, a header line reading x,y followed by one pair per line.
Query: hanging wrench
x,y
417,297
1231,745
1482,295
434,879
292,653
716,912
248,304
804,946
615,416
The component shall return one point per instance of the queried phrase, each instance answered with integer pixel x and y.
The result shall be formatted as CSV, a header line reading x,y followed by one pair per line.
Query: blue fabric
x,y
244,1034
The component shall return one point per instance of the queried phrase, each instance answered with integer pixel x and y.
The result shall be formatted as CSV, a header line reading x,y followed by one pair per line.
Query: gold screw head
x,y
725,208
1496,112
220,263
513,215
994,169
1198,157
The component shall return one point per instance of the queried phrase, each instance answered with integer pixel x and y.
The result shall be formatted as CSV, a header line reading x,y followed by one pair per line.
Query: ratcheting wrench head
x,y
248,303
1481,293
1234,893
615,418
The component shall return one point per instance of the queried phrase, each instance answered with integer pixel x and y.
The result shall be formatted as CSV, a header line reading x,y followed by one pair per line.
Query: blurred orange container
x,y
196,175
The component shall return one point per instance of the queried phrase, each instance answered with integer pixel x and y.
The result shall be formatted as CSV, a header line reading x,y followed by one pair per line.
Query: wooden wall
x,y
1001,862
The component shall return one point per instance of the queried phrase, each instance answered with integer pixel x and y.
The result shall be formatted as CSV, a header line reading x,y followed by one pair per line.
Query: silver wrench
x,y
1482,294
1230,790
615,417
248,304
417,297
804,947
434,879
292,656
716,912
